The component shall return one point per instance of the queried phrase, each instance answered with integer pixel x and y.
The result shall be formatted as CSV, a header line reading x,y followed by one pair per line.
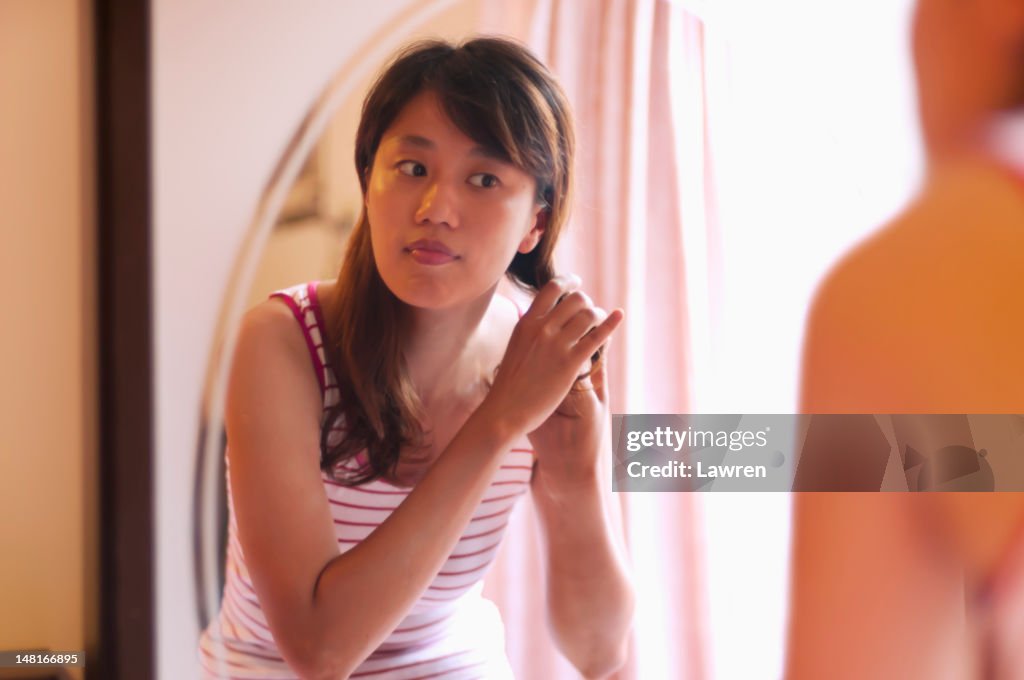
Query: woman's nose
x,y
438,205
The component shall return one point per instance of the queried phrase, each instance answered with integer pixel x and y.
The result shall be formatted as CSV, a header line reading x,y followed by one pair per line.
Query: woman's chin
x,y
423,297
427,299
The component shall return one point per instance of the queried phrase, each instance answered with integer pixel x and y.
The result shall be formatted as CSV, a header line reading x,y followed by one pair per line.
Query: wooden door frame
x,y
127,642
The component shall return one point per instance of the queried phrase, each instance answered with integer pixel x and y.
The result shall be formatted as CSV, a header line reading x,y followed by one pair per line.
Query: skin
x,y
965,53
912,322
274,405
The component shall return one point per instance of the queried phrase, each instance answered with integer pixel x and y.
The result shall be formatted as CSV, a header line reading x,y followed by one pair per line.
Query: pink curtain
x,y
626,242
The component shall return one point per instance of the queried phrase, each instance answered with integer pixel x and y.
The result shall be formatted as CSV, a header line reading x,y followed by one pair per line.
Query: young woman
x,y
381,426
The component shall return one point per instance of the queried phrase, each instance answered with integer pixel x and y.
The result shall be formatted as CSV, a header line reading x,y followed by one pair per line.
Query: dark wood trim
x,y
124,186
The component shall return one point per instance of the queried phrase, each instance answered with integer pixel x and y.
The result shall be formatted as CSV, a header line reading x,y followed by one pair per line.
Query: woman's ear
x,y
540,223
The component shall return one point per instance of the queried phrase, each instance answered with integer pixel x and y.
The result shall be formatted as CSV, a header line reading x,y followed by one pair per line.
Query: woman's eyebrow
x,y
488,153
478,150
416,140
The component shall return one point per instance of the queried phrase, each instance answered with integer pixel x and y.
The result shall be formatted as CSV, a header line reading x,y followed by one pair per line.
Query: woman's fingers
x,y
551,293
598,377
567,308
572,315
567,320
592,340
550,344
581,322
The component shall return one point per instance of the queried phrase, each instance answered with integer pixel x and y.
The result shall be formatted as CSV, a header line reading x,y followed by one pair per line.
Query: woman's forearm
x,y
590,598
364,593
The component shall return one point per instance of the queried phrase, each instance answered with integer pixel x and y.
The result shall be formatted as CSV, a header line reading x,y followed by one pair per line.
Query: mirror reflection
x,y
706,154
437,403
317,194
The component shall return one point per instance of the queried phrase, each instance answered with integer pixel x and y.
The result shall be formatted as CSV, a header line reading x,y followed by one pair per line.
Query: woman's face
x,y
446,217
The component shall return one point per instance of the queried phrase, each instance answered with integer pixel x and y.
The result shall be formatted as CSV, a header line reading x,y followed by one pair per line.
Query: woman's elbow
x,y
604,650
603,663
600,657
320,669
315,662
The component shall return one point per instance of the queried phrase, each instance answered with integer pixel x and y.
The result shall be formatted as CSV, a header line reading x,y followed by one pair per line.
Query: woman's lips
x,y
430,252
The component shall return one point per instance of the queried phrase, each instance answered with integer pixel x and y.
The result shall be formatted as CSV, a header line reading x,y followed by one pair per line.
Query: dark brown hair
x,y
498,94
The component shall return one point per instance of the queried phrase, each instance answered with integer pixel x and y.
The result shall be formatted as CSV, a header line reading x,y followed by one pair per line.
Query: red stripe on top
x,y
485,533
493,514
386,508
427,598
464,586
458,556
380,492
464,572
360,489
244,621
447,671
423,625
501,498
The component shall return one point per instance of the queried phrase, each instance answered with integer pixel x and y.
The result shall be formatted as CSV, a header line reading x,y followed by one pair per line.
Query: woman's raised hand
x,y
550,346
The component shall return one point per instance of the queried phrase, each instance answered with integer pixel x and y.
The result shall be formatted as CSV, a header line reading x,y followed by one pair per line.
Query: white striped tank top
x,y
451,632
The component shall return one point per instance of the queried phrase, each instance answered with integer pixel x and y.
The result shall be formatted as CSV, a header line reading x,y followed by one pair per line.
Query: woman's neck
x,y
1005,139
446,351
1000,139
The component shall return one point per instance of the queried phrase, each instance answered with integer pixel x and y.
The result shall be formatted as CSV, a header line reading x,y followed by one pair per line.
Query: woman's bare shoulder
x,y
271,316
270,327
271,354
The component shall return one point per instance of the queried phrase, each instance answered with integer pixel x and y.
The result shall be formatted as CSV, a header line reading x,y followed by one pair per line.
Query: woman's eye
x,y
412,168
484,180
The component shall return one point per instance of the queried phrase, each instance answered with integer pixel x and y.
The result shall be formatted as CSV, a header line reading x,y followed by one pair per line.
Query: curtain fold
x,y
626,241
